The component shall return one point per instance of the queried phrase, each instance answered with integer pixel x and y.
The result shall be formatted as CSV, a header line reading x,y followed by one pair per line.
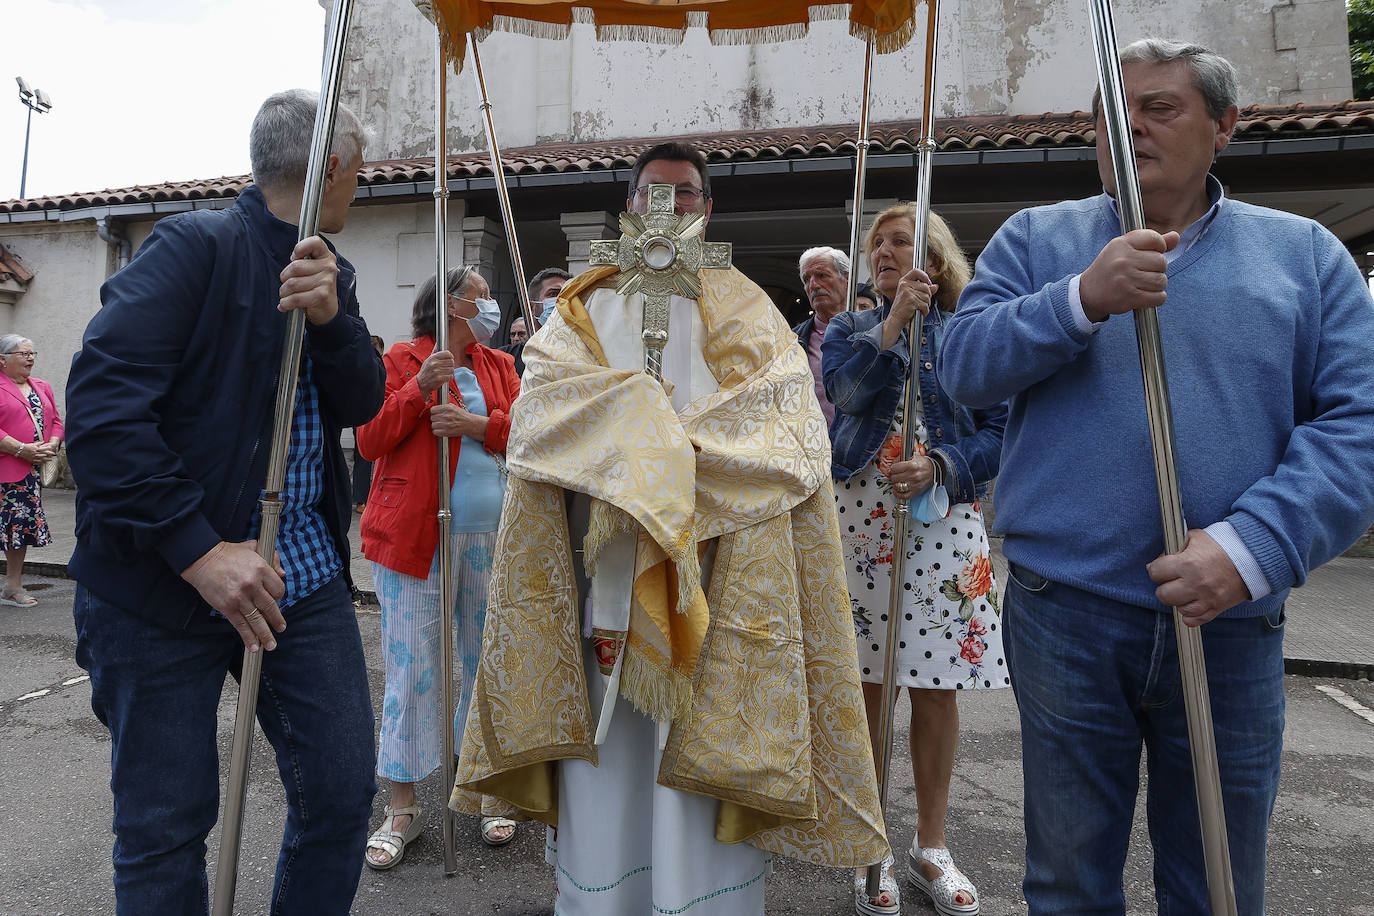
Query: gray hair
x,y
1213,75
10,342
279,143
424,311
837,257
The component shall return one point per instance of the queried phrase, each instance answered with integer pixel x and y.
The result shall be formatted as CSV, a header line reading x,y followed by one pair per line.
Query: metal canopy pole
x,y
502,194
925,155
226,874
860,171
445,482
1192,665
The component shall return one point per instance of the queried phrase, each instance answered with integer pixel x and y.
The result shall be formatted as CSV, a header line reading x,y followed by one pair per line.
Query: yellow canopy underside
x,y
891,23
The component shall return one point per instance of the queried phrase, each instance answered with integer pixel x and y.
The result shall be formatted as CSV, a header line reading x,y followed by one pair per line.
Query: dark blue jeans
x,y
157,690
1094,680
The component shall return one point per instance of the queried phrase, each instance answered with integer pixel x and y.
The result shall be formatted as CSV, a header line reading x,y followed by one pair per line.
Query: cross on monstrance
x,y
659,255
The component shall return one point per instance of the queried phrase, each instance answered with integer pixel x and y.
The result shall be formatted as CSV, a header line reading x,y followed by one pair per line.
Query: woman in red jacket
x,y
30,432
400,533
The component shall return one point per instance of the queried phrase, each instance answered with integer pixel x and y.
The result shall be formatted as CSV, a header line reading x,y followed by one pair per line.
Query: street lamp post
x,y
34,100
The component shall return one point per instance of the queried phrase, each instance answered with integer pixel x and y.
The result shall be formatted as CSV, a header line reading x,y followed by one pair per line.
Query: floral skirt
x,y
22,523
412,710
951,627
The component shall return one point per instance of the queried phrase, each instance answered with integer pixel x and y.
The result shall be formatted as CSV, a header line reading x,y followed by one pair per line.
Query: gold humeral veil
x,y
758,673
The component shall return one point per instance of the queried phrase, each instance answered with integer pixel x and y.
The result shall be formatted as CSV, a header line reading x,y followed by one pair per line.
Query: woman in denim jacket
x,y
951,636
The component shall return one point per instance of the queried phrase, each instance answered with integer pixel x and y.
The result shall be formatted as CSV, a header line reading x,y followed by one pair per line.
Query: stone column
x,y
581,229
481,241
484,247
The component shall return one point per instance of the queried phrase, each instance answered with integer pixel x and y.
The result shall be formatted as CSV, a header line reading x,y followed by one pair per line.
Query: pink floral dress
x,y
951,627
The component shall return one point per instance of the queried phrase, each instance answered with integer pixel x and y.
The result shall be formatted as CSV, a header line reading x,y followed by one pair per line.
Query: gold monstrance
x,y
659,255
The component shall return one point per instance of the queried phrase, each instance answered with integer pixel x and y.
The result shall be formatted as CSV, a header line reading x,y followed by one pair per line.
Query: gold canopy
x,y
890,23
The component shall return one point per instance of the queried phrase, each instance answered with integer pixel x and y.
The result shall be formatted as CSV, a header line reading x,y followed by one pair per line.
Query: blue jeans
x,y
157,690
1094,679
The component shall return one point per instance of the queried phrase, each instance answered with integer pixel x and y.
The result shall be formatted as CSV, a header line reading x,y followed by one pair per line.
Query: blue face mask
x,y
486,321
550,306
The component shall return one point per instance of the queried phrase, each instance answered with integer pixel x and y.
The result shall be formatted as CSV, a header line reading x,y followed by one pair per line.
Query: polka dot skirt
x,y
951,623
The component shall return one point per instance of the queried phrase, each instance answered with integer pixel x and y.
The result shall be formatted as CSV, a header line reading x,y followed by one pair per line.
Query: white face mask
x,y
486,321
550,306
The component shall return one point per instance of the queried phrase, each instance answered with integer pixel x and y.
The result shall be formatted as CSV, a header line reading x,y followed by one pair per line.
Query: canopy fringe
x,y
452,19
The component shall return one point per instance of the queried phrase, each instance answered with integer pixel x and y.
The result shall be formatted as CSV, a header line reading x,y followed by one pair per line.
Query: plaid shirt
x,y
303,543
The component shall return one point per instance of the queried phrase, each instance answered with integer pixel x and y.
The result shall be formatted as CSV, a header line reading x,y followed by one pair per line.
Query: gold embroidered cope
x,y
759,676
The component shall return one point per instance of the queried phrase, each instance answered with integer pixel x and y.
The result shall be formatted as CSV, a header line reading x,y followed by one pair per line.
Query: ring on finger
x,y
252,615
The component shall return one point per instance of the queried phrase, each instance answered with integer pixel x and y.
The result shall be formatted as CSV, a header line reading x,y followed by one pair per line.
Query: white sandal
x,y
941,891
391,841
492,824
16,597
887,885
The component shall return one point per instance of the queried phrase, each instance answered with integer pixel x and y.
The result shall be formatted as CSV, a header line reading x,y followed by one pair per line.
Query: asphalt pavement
x,y
55,768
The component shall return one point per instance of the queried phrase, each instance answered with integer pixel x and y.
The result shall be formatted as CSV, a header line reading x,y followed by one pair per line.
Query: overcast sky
x,y
145,91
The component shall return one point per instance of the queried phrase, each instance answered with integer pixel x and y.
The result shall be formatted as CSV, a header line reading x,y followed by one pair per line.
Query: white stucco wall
x,y
392,248
996,57
69,262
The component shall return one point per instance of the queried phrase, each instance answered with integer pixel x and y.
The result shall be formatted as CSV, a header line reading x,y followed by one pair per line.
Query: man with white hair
x,y
1267,324
170,429
825,277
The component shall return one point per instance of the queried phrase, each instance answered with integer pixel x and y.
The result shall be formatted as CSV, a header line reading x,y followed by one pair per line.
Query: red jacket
x,y
400,527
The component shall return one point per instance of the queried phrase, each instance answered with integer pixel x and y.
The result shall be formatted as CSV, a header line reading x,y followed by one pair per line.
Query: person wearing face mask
x,y
400,533
543,289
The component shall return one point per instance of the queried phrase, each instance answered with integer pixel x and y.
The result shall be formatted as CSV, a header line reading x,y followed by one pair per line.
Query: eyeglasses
x,y
25,354
685,193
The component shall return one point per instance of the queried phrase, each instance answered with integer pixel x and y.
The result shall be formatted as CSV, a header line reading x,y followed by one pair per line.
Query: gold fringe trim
x,y
888,42
771,34
529,27
649,34
688,568
605,522
451,24
662,694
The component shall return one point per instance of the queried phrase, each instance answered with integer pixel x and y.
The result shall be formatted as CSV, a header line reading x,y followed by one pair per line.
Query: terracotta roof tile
x,y
973,133
11,268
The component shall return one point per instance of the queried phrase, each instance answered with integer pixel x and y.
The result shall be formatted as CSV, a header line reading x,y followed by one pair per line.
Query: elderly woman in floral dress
x,y
950,636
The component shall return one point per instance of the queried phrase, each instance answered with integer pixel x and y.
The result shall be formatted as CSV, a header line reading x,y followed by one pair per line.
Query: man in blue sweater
x,y
1267,328
169,430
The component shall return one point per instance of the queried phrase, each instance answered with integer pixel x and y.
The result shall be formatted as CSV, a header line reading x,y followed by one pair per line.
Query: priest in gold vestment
x,y
668,672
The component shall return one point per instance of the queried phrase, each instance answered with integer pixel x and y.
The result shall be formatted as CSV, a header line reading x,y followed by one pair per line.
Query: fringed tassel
x,y
532,28
829,12
445,13
606,522
649,34
661,694
887,42
764,35
688,578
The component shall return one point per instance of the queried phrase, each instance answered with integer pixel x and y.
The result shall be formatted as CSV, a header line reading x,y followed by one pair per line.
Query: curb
x,y
51,570
1309,667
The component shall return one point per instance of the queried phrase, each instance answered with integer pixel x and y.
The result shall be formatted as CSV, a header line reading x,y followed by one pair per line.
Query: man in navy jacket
x,y
172,400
